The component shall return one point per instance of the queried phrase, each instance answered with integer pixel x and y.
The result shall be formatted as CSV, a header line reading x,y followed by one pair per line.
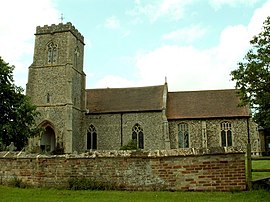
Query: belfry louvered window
x,y
226,134
92,137
76,57
137,136
183,135
52,53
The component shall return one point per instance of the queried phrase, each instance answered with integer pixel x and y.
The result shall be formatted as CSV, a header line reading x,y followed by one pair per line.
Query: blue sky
x,y
195,44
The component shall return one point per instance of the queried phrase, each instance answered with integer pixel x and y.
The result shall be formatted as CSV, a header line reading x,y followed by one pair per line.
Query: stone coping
x,y
129,153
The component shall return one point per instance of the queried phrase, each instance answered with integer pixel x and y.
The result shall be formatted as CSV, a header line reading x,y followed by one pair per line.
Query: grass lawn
x,y
259,164
10,194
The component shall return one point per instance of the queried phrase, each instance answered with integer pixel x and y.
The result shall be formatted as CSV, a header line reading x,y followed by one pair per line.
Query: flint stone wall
x,y
110,128
186,169
239,133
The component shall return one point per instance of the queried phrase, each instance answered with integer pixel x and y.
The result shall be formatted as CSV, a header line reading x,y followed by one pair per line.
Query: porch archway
x,y
47,141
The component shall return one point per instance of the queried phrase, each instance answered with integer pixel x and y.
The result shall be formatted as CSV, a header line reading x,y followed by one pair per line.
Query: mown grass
x,y
259,164
10,194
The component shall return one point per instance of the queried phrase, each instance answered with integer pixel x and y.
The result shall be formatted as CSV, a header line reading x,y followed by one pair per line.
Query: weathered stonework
x,y
213,133
152,128
108,130
60,28
187,170
115,130
56,85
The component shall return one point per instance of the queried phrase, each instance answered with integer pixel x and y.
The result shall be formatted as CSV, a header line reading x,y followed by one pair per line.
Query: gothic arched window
x,y
91,137
226,134
52,53
183,135
137,135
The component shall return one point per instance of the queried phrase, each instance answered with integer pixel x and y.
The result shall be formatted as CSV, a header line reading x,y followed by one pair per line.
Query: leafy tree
x,y
17,121
253,76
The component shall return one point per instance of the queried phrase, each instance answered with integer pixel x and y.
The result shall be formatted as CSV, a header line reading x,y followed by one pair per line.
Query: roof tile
x,y
112,100
205,104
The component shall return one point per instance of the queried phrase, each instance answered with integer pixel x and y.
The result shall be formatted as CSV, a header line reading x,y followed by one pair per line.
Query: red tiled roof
x,y
205,104
112,100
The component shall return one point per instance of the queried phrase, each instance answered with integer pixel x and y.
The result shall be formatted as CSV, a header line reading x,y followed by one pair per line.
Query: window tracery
x,y
92,137
52,53
183,135
226,134
137,136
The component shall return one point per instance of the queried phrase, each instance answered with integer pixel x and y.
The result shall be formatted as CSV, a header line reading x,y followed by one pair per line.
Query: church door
x,y
47,142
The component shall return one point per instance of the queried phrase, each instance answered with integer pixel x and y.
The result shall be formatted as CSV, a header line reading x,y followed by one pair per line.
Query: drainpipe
x,y
121,129
249,164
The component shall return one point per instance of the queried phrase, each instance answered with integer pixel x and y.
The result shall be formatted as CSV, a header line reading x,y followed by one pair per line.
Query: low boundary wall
x,y
190,170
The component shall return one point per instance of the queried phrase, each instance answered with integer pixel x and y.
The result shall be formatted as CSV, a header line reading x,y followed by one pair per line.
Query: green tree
x,y
17,121
253,76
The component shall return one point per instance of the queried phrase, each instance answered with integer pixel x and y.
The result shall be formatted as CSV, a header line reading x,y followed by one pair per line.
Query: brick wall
x,y
189,169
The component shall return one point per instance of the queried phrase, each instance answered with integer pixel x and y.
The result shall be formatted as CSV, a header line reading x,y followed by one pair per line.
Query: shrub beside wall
x,y
188,170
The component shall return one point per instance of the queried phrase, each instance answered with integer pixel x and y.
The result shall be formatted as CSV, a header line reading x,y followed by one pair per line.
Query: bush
x,y
90,184
58,150
2,147
16,182
131,145
261,184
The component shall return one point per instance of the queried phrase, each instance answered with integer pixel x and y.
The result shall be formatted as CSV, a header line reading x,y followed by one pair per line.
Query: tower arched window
x,y
52,53
76,57
183,135
91,137
226,134
137,135
48,98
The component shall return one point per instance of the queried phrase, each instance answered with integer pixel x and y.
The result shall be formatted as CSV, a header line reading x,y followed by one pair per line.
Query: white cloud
x,y
112,22
126,33
187,34
17,32
217,4
112,81
185,67
172,9
257,19
188,68
234,41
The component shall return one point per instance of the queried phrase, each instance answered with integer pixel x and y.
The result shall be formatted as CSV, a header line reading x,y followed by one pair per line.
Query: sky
x,y
192,44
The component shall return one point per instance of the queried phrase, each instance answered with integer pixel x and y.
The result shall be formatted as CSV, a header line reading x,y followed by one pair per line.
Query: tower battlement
x,y
51,29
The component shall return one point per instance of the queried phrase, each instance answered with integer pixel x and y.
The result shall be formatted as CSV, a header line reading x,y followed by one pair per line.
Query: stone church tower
x,y
56,85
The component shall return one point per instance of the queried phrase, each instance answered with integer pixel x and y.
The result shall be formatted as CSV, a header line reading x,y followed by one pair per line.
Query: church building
x,y
78,119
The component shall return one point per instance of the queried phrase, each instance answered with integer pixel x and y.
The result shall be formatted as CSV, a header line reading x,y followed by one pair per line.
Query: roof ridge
x,y
215,90
134,87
